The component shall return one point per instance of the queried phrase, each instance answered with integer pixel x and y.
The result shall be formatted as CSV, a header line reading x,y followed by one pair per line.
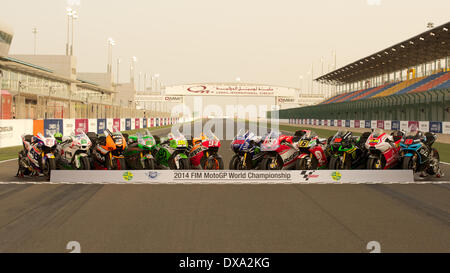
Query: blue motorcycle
x,y
417,154
246,147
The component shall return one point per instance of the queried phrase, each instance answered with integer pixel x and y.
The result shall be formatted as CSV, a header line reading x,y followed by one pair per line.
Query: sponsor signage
x,y
380,124
229,90
412,123
357,123
81,125
367,124
144,123
116,125
347,123
446,127
137,124
127,124
436,127
101,125
395,125
404,125
373,124
387,125
53,126
424,126
232,177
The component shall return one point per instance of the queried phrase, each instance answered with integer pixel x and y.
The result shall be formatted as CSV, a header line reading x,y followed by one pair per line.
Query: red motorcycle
x,y
204,152
383,149
312,152
280,152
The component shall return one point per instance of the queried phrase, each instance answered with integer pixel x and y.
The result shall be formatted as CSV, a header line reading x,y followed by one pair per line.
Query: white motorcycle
x,y
73,152
37,158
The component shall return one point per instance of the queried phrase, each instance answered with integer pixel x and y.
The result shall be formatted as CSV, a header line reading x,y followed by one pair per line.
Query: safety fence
x,y
11,130
425,126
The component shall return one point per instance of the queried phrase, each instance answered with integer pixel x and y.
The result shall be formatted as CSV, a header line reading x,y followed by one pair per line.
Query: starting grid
x,y
219,177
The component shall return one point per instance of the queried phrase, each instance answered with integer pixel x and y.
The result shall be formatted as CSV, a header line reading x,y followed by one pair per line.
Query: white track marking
x,y
7,160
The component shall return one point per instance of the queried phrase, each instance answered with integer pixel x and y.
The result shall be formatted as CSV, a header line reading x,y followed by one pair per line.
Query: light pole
x,y
133,61
118,64
111,43
34,31
69,14
74,17
156,82
301,85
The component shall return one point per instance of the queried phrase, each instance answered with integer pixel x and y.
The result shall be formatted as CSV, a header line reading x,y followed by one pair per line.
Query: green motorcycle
x,y
138,154
347,151
171,152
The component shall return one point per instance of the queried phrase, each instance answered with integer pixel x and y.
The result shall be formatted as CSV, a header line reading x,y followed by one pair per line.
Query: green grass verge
x,y
11,152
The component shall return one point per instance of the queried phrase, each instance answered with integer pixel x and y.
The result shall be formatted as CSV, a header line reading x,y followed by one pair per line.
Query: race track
x,y
222,218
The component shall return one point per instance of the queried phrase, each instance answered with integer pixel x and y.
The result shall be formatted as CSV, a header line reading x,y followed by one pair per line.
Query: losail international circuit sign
x,y
229,90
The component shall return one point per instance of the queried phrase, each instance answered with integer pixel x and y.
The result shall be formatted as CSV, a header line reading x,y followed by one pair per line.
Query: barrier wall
x,y
425,126
11,130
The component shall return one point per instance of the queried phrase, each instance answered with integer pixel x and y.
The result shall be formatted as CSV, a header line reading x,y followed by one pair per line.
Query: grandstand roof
x,y
427,46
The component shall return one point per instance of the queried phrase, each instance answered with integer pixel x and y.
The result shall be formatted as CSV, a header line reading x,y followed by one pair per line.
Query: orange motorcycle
x,y
108,151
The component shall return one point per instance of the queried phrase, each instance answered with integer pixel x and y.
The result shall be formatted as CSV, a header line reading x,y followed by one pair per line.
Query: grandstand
x,y
407,81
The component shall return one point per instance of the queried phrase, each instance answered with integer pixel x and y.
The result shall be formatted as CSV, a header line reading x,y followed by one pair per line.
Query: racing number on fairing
x,y
304,143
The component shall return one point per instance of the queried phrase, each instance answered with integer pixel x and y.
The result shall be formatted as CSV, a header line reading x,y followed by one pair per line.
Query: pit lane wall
x,y
11,130
438,127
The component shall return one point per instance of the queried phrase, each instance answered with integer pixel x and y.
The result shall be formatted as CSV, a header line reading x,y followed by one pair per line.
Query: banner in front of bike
x,y
231,177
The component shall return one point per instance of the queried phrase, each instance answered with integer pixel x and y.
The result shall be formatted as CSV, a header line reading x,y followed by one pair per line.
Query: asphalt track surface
x,y
222,218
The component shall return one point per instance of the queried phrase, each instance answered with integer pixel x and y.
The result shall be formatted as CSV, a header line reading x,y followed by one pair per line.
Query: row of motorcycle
x,y
117,151
306,151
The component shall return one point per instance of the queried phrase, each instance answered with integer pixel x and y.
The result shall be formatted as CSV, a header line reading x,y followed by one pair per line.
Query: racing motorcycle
x,y
417,154
108,151
38,156
346,150
383,149
312,152
73,152
280,151
138,154
171,152
248,155
204,152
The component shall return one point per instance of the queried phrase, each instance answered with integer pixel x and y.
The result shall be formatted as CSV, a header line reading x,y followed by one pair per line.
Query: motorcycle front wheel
x,y
85,163
212,163
149,164
234,162
374,164
50,165
408,163
271,163
335,163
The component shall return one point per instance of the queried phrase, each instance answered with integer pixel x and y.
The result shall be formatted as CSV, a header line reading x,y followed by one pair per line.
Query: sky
x,y
190,41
